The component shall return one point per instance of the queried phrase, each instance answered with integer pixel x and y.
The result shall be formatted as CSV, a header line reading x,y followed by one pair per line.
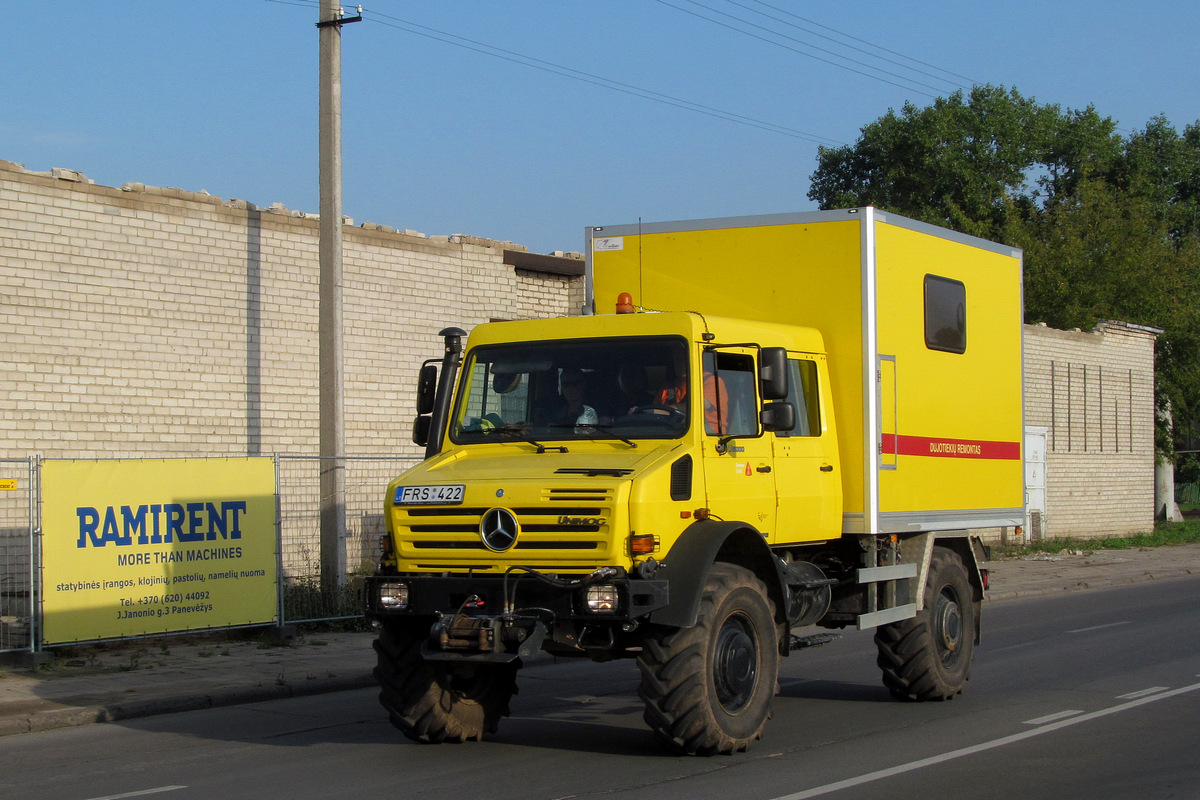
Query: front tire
x,y
708,688
929,656
439,701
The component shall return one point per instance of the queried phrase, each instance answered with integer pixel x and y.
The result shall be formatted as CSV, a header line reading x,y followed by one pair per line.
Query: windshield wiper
x,y
583,429
521,429
608,429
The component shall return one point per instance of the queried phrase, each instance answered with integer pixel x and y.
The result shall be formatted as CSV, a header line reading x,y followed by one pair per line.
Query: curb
x,y
70,717
1086,586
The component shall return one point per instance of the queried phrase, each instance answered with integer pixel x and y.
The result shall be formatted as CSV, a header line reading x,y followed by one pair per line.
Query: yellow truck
x,y
759,425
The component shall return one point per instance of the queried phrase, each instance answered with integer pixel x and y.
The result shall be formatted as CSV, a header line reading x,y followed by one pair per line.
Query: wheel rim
x,y
948,622
735,664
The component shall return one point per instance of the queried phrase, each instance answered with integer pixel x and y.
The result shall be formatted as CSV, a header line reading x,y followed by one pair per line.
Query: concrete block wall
x,y
1094,393
151,322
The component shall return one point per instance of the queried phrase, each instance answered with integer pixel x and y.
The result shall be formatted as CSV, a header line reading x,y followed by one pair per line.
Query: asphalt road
x,y
1093,695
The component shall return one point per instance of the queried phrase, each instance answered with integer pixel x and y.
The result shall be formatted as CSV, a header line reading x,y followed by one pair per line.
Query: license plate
x,y
446,495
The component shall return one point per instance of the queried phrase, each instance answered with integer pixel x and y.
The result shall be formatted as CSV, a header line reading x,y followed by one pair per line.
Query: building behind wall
x,y
1089,399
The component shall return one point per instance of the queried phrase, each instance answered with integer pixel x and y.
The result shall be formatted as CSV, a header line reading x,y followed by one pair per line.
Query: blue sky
x,y
450,126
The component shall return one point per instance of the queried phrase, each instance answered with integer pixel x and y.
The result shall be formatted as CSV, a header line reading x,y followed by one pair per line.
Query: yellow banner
x,y
142,547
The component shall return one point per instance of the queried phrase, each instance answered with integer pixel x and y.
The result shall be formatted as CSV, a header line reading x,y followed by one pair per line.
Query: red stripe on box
x,y
938,447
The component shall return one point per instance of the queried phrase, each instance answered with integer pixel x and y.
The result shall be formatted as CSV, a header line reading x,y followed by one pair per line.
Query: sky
x,y
529,120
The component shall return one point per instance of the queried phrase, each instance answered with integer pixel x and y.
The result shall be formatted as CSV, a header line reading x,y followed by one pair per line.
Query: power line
x,y
963,80
966,82
301,3
910,82
590,78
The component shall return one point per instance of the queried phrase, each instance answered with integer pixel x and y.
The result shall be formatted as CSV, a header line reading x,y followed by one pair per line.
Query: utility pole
x,y
332,412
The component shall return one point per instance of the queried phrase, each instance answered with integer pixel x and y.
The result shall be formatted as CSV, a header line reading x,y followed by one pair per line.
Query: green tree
x,y
966,163
1164,166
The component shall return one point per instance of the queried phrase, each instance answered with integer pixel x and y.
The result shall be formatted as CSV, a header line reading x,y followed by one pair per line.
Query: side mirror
x,y
421,427
426,388
773,373
778,417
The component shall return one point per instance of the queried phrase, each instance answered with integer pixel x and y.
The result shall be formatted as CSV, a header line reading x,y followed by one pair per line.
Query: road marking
x,y
1013,647
1051,718
912,766
139,794
1099,627
1142,693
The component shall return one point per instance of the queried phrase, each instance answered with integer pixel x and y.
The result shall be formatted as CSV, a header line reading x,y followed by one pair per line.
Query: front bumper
x,y
504,617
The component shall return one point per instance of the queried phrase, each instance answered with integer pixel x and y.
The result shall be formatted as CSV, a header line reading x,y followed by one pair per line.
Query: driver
x,y
674,393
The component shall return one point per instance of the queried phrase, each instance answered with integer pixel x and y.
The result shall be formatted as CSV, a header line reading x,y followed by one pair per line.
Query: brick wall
x,y
1094,394
148,322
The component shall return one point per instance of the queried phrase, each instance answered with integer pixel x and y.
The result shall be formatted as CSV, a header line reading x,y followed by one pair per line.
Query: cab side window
x,y
730,401
803,394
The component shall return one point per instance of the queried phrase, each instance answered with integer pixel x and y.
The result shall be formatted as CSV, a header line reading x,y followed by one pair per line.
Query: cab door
x,y
808,485
738,459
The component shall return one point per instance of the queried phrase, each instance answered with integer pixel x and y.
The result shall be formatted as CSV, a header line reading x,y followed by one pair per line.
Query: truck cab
x,y
641,424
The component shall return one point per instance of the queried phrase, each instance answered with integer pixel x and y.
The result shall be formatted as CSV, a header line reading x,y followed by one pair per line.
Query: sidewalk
x,y
125,680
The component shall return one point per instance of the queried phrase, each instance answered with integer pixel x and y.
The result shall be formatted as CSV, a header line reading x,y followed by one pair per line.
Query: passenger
x,y
575,412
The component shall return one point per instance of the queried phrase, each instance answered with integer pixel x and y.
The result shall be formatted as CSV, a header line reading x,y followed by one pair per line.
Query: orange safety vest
x,y
716,401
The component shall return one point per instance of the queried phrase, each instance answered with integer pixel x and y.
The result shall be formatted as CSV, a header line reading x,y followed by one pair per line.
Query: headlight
x,y
602,598
393,595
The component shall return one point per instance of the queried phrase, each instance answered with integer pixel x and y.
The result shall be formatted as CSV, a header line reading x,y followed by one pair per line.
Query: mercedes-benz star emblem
x,y
498,529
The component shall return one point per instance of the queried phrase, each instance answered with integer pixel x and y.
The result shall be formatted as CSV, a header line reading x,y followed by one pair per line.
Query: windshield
x,y
590,388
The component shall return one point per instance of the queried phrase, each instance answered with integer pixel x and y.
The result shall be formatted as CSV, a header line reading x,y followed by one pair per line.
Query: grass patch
x,y
1165,534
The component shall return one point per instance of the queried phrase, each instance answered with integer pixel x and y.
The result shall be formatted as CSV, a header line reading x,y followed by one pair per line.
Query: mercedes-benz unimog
x,y
760,425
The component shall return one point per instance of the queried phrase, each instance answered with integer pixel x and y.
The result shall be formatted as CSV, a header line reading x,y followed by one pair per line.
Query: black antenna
x,y
641,296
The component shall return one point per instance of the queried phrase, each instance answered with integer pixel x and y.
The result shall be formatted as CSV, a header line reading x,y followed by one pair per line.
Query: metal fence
x,y
17,556
297,480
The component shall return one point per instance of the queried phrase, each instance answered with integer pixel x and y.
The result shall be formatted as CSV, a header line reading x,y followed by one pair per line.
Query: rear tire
x,y
439,701
708,688
929,656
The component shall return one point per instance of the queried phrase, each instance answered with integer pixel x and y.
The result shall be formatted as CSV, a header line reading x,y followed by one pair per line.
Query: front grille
x,y
575,495
564,525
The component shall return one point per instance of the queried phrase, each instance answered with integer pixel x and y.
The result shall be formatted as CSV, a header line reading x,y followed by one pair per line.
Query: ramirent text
x,y
160,523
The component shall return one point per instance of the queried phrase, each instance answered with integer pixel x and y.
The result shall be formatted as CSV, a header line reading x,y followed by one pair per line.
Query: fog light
x,y
602,598
393,595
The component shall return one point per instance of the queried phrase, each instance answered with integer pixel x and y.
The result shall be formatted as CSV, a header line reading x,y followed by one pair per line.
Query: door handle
x,y
827,468
762,469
